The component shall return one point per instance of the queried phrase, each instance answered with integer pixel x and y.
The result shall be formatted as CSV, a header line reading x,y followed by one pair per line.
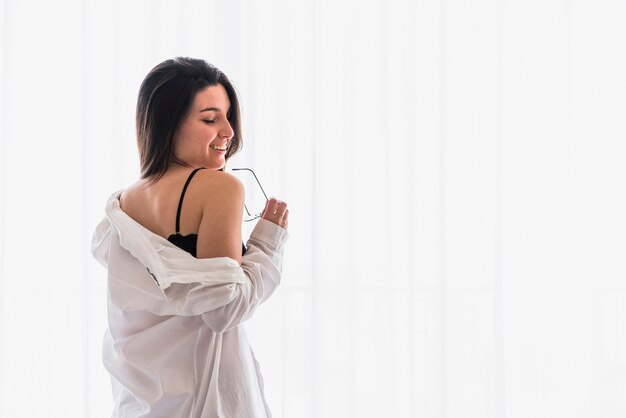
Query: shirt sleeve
x,y
100,242
169,281
262,266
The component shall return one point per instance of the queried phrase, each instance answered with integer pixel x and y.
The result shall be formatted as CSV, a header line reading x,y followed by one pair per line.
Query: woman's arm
x,y
219,233
261,265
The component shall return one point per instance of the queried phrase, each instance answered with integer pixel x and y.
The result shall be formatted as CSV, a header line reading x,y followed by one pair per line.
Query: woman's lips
x,y
219,148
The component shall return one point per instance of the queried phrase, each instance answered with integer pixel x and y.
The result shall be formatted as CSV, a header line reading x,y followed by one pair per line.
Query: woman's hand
x,y
276,211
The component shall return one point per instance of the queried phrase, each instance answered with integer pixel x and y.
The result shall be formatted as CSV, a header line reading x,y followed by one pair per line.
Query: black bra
x,y
188,242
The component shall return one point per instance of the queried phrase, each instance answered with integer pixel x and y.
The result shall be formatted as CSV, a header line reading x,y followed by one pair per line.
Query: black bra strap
x,y
180,202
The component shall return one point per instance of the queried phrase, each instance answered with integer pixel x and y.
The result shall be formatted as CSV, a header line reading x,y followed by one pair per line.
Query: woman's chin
x,y
214,164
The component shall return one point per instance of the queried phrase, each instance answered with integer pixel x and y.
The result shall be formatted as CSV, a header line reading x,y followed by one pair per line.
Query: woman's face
x,y
205,133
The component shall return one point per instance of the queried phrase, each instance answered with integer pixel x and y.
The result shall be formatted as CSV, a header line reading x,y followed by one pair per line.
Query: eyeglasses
x,y
250,216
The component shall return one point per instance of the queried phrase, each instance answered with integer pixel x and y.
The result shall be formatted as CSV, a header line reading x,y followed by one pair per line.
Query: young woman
x,y
180,279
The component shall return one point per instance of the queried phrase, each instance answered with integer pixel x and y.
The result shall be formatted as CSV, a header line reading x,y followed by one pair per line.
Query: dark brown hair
x,y
165,96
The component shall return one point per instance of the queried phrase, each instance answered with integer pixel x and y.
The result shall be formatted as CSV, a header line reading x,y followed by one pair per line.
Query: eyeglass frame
x,y
250,216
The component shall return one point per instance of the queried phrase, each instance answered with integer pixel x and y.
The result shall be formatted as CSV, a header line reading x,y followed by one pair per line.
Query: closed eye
x,y
209,122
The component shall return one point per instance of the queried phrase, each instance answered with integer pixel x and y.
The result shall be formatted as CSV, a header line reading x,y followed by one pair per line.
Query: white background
x,y
456,180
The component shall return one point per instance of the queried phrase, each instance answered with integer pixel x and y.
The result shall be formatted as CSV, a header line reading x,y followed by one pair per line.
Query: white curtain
x,y
455,172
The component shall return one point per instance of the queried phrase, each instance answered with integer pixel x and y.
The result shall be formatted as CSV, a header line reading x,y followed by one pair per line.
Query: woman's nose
x,y
227,130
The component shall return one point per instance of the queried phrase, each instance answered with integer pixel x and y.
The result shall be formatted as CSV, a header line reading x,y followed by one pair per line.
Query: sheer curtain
x,y
455,173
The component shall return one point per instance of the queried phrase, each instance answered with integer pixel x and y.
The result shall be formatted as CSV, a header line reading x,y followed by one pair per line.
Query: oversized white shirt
x,y
175,345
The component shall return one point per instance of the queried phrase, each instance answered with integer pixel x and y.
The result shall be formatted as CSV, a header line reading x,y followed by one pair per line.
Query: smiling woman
x,y
175,346
185,104
461,234
205,133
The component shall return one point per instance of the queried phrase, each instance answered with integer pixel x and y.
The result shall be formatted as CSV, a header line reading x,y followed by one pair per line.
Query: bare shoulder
x,y
131,195
218,184
219,233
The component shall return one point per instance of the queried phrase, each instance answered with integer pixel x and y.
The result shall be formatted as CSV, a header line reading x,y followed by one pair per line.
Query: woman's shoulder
x,y
215,190
219,178
204,180
220,196
154,205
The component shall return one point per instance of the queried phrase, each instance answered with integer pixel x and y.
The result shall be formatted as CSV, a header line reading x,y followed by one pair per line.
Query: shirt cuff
x,y
270,234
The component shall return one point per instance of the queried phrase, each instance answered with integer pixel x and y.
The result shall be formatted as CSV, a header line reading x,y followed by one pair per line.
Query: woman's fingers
x,y
276,211
285,220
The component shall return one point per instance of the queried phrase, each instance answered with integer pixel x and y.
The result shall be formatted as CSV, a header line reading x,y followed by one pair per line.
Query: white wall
x,y
455,176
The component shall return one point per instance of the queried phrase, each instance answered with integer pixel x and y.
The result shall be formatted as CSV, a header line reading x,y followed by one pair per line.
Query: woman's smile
x,y
221,148
206,125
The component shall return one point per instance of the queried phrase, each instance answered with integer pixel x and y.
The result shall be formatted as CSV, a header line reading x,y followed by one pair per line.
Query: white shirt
x,y
175,345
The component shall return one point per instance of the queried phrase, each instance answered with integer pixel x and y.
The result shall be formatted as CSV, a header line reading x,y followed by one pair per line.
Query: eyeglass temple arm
x,y
256,178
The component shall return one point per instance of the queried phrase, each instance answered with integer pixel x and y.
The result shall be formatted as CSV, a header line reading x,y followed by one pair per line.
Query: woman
x,y
180,280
